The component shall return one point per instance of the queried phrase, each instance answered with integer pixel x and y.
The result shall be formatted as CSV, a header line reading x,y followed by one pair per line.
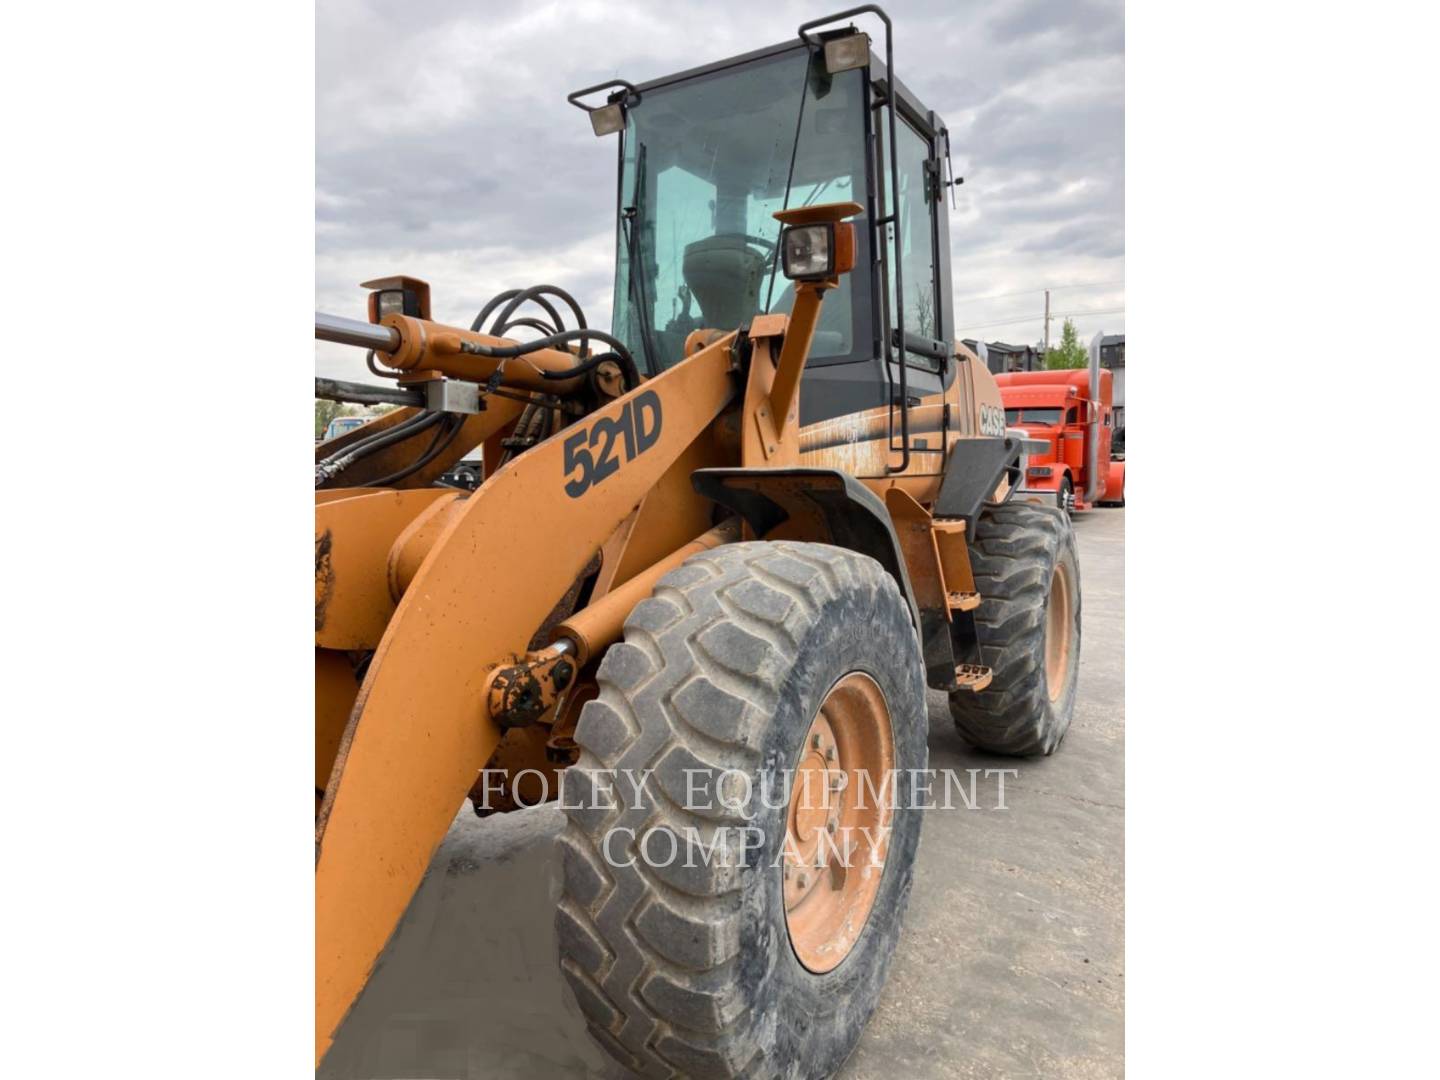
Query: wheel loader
x,y
719,553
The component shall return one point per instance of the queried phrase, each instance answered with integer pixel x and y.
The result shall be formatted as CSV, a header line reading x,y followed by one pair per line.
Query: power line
x,y
1032,292
1037,318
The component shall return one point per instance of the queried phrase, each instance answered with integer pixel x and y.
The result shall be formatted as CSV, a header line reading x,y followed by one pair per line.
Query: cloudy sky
x,y
445,148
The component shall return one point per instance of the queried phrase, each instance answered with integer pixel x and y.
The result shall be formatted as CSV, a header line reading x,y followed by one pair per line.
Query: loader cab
x,y
706,159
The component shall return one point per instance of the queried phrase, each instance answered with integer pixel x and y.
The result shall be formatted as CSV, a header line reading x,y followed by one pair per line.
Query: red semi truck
x,y
1069,411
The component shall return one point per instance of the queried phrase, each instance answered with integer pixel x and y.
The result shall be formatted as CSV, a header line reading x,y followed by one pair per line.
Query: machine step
x,y
963,601
972,677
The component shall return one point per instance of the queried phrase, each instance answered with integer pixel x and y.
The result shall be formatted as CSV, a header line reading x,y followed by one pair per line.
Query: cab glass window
x,y
911,242
707,162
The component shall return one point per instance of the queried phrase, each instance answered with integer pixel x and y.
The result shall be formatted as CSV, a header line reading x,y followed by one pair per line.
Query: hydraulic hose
x,y
555,332
361,447
532,427
332,466
525,320
535,293
505,352
443,438
587,367
504,322
478,326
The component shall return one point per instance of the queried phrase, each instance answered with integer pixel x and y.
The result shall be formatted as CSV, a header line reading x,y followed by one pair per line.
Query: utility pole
x,y
1047,320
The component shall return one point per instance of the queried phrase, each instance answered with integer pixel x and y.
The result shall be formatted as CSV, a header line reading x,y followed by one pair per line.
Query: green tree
x,y
1069,353
325,411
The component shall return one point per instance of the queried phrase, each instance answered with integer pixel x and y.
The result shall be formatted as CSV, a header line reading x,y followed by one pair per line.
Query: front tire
x,y
722,678
1028,623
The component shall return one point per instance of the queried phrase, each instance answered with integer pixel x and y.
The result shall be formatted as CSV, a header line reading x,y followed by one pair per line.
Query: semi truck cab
x,y
1056,409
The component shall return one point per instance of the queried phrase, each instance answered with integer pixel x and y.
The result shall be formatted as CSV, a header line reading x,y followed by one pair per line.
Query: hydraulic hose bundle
x,y
538,421
556,334
329,467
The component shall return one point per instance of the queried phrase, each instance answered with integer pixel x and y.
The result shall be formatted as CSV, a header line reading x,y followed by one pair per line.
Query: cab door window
x,y
911,240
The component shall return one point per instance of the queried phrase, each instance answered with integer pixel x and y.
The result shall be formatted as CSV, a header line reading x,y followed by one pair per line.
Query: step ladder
x,y
974,677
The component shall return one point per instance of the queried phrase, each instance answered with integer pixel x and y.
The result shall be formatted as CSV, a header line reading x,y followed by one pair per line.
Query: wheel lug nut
x,y
815,740
803,881
830,825
829,753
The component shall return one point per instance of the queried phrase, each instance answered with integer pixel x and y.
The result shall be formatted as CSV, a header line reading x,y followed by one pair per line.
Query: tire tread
x,y
1013,556
648,950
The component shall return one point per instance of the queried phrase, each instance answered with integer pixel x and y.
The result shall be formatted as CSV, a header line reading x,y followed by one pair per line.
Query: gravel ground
x,y
1013,958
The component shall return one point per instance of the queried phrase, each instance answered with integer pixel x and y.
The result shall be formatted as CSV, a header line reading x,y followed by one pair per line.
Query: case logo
x,y
992,421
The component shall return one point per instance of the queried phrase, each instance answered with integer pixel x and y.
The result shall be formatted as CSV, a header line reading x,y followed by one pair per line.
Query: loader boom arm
x,y
420,729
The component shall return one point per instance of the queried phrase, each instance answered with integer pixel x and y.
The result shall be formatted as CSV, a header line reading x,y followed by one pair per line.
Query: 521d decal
x,y
598,452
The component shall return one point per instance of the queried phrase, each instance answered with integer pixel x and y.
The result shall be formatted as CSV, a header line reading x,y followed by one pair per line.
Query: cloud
x,y
1073,25
445,148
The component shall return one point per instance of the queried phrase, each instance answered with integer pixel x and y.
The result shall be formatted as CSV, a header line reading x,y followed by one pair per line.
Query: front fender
x,y
823,505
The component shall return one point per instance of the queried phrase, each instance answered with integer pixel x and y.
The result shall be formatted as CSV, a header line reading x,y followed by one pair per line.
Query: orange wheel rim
x,y
1058,626
837,836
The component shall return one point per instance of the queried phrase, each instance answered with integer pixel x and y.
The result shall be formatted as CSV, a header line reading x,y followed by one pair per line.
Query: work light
x,y
845,53
607,119
391,302
808,251
399,295
818,251
396,302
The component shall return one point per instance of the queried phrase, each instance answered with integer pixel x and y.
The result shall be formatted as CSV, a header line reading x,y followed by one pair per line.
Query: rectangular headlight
x,y
808,251
395,302
607,119
845,53
397,295
390,302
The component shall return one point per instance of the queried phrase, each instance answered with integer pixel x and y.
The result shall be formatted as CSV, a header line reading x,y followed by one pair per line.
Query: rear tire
x,y
689,969
1028,622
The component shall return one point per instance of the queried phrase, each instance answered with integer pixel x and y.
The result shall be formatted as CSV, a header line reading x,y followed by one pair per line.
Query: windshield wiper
x,y
629,225
817,192
789,182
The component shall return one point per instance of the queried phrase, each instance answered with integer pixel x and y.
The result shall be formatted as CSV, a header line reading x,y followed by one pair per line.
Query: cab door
x,y
911,243
915,243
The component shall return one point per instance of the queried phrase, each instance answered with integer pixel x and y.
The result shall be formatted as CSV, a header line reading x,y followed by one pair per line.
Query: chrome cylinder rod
x,y
363,335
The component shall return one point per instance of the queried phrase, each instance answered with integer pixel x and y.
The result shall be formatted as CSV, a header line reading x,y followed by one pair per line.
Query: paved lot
x,y
1013,959
1011,964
